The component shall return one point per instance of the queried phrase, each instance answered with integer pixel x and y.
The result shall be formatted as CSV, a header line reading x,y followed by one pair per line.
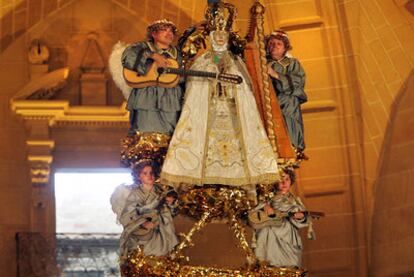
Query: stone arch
x,y
21,16
66,24
392,237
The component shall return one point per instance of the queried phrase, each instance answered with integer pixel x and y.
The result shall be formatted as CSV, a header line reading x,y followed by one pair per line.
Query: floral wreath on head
x,y
280,35
159,25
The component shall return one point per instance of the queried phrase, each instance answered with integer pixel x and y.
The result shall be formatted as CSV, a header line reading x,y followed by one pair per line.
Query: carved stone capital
x,y
40,169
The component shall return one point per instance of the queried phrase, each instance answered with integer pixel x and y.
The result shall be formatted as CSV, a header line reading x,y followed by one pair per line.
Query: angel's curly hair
x,y
291,173
139,166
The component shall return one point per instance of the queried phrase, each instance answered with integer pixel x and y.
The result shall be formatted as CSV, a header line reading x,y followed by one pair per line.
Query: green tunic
x,y
152,109
291,94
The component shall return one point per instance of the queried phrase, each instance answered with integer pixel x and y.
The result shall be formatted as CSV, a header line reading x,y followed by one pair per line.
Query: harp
x,y
268,105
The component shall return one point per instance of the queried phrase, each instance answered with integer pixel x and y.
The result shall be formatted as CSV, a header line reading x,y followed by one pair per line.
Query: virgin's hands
x,y
149,225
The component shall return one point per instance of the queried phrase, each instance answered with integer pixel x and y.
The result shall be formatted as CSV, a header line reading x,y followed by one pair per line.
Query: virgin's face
x,y
220,37
147,176
285,184
276,48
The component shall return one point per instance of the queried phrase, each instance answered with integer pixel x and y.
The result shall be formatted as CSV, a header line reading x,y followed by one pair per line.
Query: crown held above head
x,y
220,16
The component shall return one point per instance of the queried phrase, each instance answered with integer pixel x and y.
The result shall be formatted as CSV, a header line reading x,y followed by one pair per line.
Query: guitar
x,y
259,219
168,77
143,232
154,215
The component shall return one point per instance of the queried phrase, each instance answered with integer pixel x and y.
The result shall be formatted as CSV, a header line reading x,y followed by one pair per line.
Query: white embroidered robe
x,y
220,138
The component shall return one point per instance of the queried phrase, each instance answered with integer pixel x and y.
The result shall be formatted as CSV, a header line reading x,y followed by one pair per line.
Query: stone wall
x,y
392,225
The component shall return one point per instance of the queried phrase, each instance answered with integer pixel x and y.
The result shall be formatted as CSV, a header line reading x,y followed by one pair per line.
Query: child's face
x,y
276,48
147,176
284,185
164,35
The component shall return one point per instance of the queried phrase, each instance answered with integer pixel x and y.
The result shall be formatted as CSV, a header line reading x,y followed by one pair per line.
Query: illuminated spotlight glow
x,y
82,200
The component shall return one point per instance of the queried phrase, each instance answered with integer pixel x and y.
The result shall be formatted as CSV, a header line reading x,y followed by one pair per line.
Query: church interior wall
x,y
392,238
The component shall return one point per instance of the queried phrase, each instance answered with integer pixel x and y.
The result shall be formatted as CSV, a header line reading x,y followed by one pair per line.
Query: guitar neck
x,y
186,72
307,213
231,78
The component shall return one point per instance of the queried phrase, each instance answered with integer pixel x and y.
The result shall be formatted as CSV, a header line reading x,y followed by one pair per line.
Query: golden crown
x,y
220,16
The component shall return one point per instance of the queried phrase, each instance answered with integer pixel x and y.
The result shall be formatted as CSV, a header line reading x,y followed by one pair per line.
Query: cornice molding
x,y
58,113
300,23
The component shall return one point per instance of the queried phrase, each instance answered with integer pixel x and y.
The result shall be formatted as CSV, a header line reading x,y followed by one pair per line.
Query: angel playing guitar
x,y
279,242
153,108
144,214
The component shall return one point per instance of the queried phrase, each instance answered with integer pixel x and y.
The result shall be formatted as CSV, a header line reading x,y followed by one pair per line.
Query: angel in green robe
x,y
153,108
288,78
